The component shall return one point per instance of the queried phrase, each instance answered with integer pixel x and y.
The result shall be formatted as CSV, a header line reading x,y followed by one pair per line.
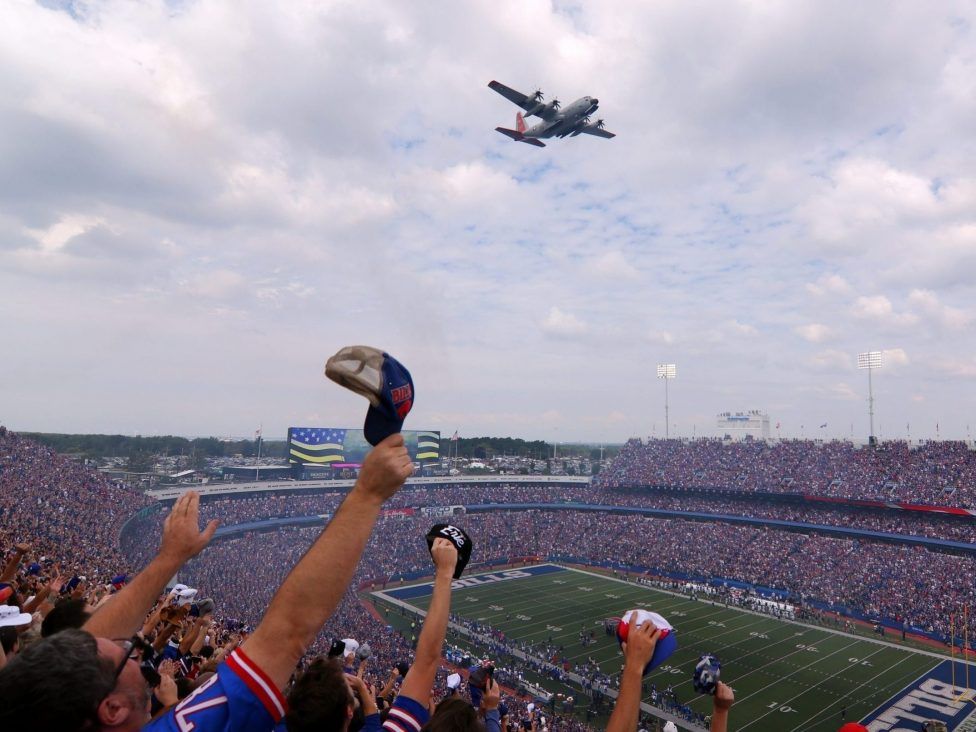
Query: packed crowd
x,y
935,473
55,502
231,511
63,569
904,584
134,653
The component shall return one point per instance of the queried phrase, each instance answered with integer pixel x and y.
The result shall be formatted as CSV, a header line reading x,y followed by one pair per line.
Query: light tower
x,y
666,371
870,361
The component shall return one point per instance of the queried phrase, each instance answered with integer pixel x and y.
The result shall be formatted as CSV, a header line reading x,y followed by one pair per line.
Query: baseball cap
x,y
6,591
185,596
666,643
458,537
707,673
11,615
383,380
352,645
453,681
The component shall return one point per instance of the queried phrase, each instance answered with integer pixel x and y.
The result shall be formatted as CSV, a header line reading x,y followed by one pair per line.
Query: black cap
x,y
458,537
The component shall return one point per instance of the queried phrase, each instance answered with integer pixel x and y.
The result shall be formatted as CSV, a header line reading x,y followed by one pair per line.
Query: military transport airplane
x,y
556,122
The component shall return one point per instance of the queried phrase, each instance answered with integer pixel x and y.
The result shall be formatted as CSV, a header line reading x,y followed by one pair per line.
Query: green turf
x,y
786,676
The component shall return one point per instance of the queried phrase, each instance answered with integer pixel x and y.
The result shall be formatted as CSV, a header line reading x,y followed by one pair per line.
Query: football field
x,y
786,676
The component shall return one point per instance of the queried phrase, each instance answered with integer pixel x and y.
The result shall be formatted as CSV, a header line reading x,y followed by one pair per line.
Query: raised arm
x,y
312,590
125,611
10,571
420,678
720,707
637,652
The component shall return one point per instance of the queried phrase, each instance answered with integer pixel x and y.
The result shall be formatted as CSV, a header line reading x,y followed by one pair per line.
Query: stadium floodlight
x,y
666,371
870,360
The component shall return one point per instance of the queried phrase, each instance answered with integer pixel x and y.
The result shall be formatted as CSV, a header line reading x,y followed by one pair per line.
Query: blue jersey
x,y
406,715
239,697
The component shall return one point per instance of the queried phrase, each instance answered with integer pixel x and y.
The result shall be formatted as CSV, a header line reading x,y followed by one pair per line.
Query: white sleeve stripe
x,y
272,693
392,724
406,717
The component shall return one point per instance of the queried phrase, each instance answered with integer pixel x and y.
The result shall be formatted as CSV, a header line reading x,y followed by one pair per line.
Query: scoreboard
x,y
739,424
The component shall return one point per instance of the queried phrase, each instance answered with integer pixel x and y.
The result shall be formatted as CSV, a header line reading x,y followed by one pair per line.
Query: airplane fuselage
x,y
565,120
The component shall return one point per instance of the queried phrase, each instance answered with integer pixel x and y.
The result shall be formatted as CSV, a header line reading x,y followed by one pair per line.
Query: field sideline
x,y
787,676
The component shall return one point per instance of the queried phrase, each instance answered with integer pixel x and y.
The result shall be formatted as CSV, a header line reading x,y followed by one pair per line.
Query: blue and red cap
x,y
383,380
395,402
666,643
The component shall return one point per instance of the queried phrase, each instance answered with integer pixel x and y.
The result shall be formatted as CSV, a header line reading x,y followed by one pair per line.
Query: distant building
x,y
254,472
739,425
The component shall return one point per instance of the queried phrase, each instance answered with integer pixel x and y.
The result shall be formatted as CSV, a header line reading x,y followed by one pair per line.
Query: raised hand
x,y
444,555
493,695
166,692
724,696
182,538
640,643
385,468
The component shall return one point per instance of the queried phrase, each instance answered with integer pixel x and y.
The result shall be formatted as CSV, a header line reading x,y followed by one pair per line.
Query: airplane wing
x,y
530,104
525,102
598,131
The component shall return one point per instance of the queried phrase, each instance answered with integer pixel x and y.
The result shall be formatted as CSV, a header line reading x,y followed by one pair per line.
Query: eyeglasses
x,y
144,656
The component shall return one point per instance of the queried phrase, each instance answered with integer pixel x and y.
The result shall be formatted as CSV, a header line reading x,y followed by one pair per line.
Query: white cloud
x,y
615,266
894,357
219,284
241,173
926,302
55,236
661,336
742,329
833,360
814,332
829,284
561,323
880,308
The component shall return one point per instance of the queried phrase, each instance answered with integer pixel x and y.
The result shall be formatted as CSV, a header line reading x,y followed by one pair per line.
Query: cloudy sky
x,y
201,200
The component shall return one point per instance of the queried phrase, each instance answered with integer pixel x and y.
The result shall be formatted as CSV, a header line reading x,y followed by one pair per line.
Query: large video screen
x,y
342,448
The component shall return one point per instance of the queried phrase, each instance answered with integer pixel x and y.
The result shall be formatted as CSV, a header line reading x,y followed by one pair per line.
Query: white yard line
x,y
882,672
807,689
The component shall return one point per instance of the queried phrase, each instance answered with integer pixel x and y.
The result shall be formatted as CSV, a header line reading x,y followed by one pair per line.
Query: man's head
x,y
454,714
71,612
320,699
73,681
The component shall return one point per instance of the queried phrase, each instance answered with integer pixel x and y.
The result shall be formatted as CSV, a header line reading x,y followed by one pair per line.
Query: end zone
x,y
486,578
929,697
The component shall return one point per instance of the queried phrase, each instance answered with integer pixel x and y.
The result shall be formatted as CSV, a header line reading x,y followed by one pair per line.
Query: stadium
x,y
826,596
659,420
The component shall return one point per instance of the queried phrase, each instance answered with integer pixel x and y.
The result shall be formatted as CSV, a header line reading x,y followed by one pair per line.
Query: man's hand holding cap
x,y
458,538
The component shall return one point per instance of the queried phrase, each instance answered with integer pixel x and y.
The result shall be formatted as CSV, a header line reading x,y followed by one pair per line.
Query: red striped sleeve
x,y
258,682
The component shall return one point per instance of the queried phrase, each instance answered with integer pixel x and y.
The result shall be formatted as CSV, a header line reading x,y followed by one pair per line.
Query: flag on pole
x,y
823,425
257,433
455,437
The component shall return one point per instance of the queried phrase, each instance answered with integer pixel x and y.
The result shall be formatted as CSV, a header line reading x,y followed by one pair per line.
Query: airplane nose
x,y
594,101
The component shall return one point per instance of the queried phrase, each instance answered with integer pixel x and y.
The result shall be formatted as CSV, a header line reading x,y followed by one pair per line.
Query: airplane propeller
x,y
555,104
538,95
599,124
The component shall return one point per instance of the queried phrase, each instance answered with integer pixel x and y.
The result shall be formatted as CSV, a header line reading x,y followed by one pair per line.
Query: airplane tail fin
x,y
519,137
519,122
